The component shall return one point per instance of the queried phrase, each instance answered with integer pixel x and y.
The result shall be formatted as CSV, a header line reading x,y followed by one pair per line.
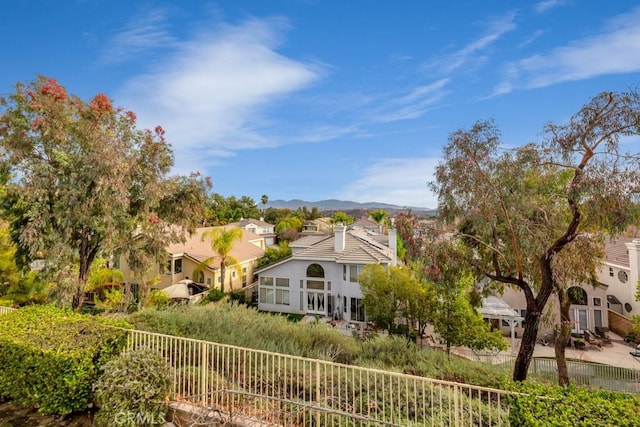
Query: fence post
x,y
318,391
203,372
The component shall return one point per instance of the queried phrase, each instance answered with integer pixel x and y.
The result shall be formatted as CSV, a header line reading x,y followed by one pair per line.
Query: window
x,y
315,270
597,302
198,276
578,296
610,272
628,307
523,314
357,310
233,274
315,284
622,276
177,266
209,281
278,294
597,318
354,271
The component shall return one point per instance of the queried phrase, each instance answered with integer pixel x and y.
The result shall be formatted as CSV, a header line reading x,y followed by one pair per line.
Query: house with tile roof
x,y
184,259
261,228
321,276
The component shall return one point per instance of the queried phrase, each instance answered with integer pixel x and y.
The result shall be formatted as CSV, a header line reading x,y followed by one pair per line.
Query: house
x,y
620,273
258,226
321,276
184,259
316,226
367,224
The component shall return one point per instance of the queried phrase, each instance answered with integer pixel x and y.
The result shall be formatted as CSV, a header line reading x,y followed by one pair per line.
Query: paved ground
x,y
617,354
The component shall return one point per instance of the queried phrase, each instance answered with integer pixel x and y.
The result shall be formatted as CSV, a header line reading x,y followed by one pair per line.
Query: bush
x,y
50,358
134,389
214,295
571,406
157,298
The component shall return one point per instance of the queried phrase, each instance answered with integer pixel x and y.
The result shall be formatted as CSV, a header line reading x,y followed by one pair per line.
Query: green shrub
x,y
214,295
50,358
571,406
134,389
157,298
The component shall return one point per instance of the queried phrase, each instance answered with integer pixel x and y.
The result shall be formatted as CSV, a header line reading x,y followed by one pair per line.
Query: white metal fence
x,y
4,309
295,391
607,377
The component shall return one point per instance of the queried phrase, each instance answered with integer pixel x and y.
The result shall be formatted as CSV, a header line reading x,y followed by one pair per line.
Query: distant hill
x,y
342,205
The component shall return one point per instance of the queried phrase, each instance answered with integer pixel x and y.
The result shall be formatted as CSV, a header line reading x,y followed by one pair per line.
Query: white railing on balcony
x,y
295,391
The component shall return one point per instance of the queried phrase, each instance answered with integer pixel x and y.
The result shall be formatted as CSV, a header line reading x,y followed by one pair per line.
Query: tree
x,y
391,296
288,228
379,216
222,241
520,208
341,217
272,255
264,200
87,177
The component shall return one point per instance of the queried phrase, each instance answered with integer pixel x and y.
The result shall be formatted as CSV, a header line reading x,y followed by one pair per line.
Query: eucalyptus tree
x,y
531,211
87,177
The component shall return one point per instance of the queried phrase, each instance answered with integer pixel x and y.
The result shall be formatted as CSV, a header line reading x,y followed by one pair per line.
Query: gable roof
x,y
615,251
357,249
199,250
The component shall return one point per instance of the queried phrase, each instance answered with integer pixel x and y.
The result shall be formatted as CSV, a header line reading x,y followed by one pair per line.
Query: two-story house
x,y
321,276
261,228
185,258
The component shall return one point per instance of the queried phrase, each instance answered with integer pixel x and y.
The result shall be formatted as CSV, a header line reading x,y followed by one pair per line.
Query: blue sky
x,y
317,99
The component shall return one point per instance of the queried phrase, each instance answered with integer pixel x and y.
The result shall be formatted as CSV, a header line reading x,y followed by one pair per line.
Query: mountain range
x,y
341,205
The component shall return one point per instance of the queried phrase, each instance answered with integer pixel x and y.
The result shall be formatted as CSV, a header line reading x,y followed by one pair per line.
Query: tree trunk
x,y
528,342
562,338
87,254
223,270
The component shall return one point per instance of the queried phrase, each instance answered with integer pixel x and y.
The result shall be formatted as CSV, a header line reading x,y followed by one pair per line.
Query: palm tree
x,y
379,217
264,199
222,241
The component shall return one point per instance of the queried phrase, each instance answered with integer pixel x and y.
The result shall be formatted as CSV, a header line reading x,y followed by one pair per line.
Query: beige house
x,y
186,257
261,228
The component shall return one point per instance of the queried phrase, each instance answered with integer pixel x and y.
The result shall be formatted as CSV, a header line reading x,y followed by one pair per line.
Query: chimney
x,y
393,245
339,231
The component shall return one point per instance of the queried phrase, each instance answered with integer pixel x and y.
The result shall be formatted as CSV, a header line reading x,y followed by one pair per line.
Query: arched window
x,y
577,295
315,270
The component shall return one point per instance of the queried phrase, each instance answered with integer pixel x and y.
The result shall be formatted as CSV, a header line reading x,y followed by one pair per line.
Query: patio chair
x,y
592,340
603,337
636,353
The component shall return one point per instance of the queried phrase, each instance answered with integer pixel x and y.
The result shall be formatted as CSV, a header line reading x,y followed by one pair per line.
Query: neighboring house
x,y
258,226
186,257
321,226
321,276
366,224
620,273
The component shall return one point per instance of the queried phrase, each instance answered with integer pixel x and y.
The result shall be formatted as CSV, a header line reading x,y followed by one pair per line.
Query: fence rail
x,y
614,378
4,310
295,391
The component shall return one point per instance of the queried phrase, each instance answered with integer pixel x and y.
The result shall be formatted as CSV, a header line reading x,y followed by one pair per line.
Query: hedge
x,y
549,405
50,358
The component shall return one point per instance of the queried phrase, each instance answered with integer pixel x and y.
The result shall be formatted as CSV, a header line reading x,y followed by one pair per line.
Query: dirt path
x,y
13,414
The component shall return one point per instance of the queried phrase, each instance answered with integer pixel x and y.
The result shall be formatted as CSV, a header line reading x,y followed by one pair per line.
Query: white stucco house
x,y
321,276
620,273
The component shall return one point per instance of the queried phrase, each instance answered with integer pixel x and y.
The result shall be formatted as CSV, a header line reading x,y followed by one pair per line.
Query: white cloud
x,y
616,50
414,104
211,93
472,51
146,33
546,5
398,181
